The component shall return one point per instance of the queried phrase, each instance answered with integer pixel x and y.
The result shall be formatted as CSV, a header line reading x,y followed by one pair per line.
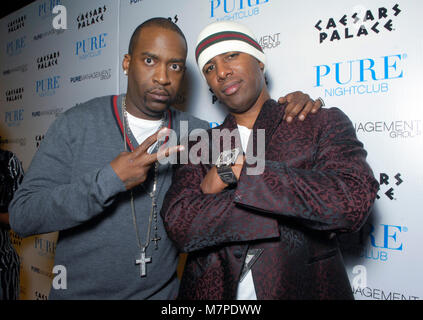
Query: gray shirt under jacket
x,y
70,187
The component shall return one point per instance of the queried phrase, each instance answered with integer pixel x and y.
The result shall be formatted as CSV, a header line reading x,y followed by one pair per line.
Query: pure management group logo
x,y
398,129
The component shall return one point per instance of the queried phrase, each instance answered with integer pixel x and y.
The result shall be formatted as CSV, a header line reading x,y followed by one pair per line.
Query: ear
x,y
126,61
184,72
261,65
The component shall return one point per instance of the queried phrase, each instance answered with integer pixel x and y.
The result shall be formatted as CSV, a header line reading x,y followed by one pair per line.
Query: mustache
x,y
158,90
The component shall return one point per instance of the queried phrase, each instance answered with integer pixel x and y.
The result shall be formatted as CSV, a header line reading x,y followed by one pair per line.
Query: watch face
x,y
227,157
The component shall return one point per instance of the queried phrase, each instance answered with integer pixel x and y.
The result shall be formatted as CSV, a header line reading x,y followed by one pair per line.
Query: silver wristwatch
x,y
224,164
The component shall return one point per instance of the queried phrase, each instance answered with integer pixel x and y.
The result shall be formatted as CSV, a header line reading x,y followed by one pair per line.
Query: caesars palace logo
x,y
16,24
14,94
360,22
389,183
38,139
91,17
48,60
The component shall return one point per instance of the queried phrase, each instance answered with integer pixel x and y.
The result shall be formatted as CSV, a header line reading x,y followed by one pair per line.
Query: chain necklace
x,y
153,213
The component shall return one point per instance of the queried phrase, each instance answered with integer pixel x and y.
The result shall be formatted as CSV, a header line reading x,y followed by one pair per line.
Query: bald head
x,y
154,22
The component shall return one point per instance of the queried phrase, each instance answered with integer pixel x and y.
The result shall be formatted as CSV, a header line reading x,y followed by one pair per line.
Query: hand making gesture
x,y
132,167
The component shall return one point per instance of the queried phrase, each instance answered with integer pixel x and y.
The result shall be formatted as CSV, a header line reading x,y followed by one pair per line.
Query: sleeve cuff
x,y
109,184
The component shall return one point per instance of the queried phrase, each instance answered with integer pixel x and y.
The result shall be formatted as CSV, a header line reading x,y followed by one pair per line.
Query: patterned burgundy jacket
x,y
316,183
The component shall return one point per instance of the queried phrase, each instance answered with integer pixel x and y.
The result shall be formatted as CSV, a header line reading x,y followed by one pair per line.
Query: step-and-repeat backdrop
x,y
365,58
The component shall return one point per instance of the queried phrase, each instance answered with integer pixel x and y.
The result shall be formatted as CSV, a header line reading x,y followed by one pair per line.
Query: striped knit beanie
x,y
226,36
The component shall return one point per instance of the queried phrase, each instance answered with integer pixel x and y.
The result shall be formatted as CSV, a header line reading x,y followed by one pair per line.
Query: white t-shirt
x,y
142,129
246,290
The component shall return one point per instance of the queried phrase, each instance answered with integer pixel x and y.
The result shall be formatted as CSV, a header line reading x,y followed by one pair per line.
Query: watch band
x,y
227,175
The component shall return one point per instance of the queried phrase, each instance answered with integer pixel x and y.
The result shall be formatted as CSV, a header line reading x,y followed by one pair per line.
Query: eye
x,y
149,61
176,67
208,68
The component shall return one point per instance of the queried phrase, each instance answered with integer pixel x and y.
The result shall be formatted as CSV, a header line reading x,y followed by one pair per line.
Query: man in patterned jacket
x,y
268,233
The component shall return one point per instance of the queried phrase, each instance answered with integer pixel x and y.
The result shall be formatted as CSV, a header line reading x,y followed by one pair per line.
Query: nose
x,y
223,70
160,75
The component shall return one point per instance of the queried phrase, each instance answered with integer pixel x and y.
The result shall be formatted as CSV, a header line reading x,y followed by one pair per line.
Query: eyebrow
x,y
149,54
210,61
155,56
177,60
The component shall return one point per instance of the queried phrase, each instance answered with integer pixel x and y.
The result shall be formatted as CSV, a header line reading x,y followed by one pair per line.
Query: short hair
x,y
155,22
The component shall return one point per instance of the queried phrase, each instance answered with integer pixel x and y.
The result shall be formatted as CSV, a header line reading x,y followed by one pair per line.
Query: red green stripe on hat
x,y
225,36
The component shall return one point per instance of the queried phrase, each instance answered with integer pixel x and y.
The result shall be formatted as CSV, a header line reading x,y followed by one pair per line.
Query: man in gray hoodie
x,y
96,178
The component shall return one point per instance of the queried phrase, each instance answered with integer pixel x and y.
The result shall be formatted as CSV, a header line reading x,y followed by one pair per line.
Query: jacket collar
x,y
269,118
